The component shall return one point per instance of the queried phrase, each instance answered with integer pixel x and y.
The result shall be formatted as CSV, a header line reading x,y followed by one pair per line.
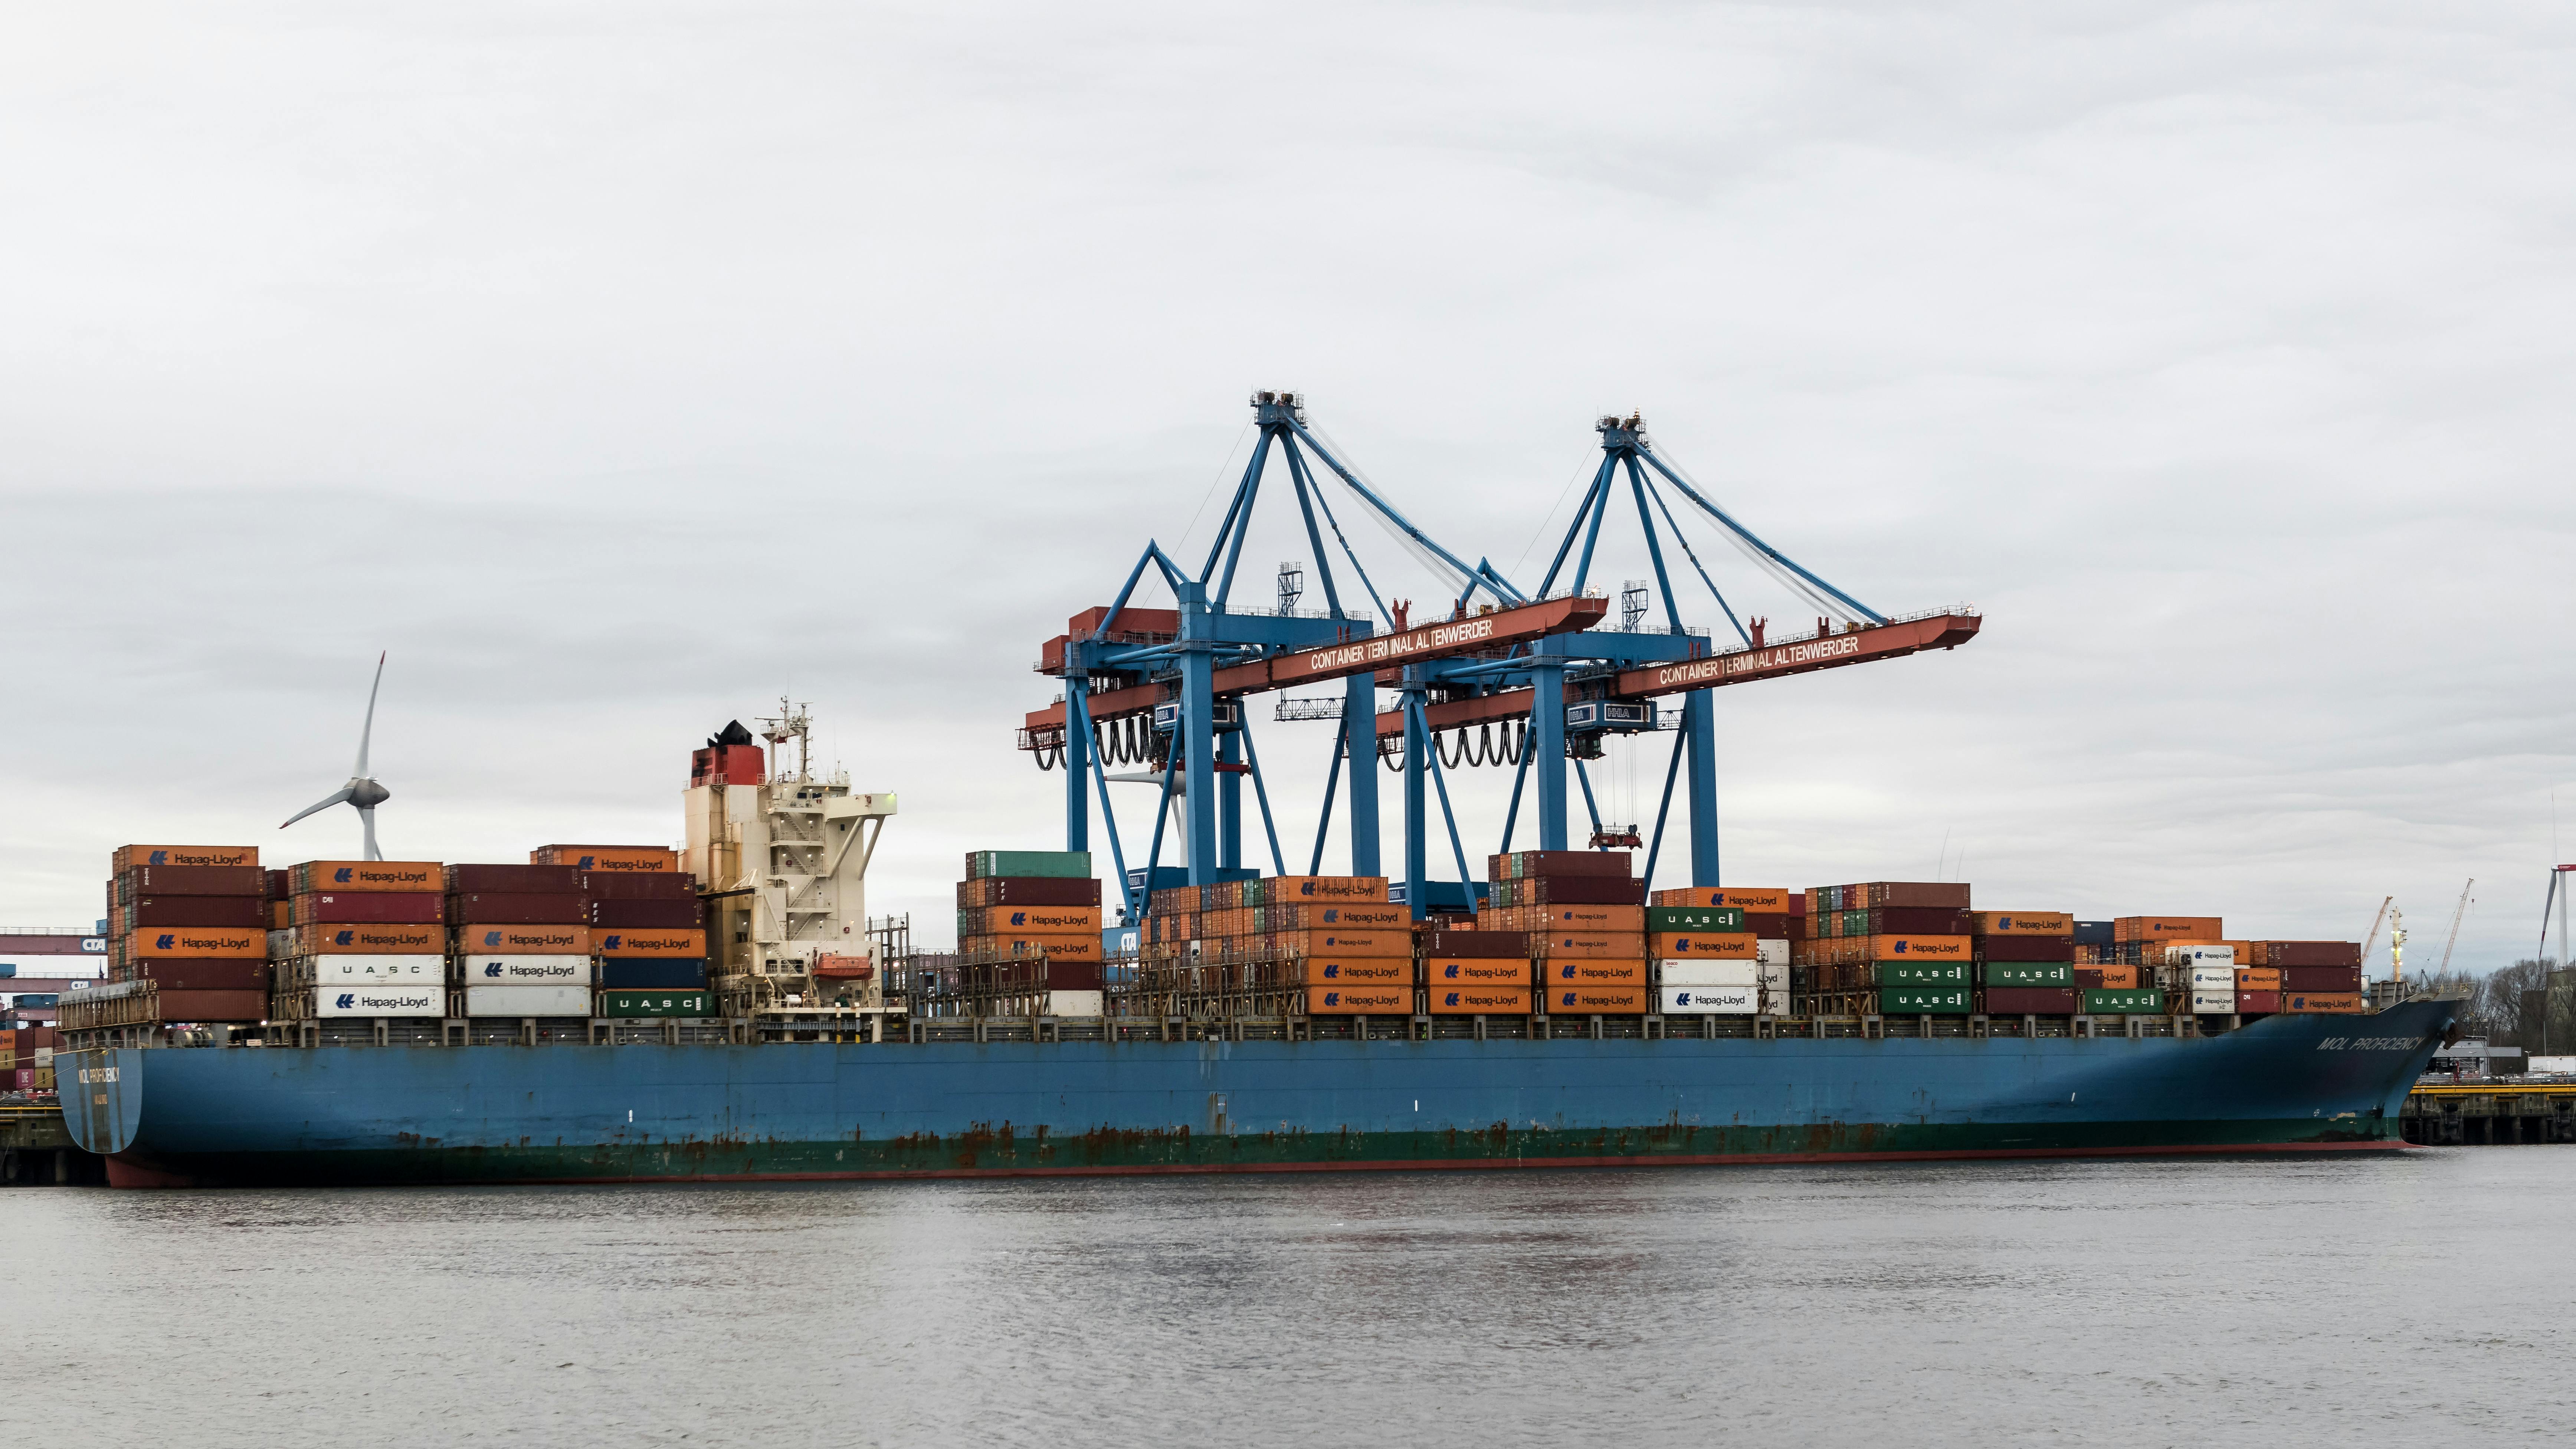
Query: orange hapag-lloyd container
x,y
613,858
1919,948
525,940
1359,1001
126,857
2331,1002
1706,946
1054,948
2023,923
213,941
1563,972
692,943
1596,1000
1455,1000
1360,971
1039,920
424,877
1286,890
1344,944
1743,898
355,939
2258,978
2167,928
1595,945
1477,971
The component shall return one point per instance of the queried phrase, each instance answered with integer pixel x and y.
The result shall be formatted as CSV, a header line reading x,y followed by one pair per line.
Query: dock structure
x,y
2490,1114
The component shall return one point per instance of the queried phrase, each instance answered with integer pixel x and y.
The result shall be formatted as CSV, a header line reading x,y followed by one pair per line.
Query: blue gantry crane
x,y
1165,688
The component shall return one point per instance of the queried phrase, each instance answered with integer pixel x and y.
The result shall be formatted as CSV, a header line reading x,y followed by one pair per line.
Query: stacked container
x,y
364,938
2025,963
187,927
1478,973
1028,924
1708,961
521,941
648,936
1334,941
1584,918
1891,948
2315,976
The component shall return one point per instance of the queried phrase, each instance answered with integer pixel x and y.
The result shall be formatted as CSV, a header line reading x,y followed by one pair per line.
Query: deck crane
x,y
1166,687
2372,940
2458,913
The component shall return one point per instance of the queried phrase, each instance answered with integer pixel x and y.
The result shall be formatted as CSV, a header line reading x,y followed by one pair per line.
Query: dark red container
x,y
180,973
195,911
2025,948
2311,953
1558,864
517,880
364,908
280,884
1770,926
2029,1000
2252,1003
1581,890
2088,978
1027,891
479,908
1918,921
214,1005
2310,979
1950,894
193,880
685,915
610,886
1478,946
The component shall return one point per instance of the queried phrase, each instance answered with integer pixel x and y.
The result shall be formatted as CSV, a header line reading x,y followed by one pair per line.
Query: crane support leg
x,y
1196,738
1417,743
1359,725
1229,801
1699,727
1077,770
1547,739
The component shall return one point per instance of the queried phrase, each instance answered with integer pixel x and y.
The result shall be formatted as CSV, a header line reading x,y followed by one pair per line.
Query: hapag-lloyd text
x,y
1398,646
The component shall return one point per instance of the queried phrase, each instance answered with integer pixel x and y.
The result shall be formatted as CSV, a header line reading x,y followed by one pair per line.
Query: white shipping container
x,y
528,971
1074,1003
2213,978
572,1000
2204,955
1775,989
411,970
1712,973
1711,1000
1772,953
377,999
2221,1003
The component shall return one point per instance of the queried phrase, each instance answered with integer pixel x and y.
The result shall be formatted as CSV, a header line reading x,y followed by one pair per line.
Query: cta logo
x,y
340,876
347,1000
164,941
492,969
159,857
492,939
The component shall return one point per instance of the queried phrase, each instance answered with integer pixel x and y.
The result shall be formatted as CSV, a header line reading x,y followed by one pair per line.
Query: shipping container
x,y
1501,944
1921,1000
1709,1000
2029,1001
505,938
2330,980
1937,948
518,908
137,882
1950,894
1628,920
2224,979
2167,928
394,940
415,876
1018,920
1687,946
2212,1003
1743,898
200,973
380,999
2247,978
478,969
369,967
600,885
1356,918
1771,953
657,1003
2306,953
2107,978
1710,973
1368,1000
2336,1002
1319,890
2253,1003
1570,890
513,880
1696,920
1361,971
2025,948
151,911
219,857
1028,864
232,1006
2024,923
2115,1002
1343,944
2057,974
1048,891
170,941
2202,953
1563,1000
1531,864
1590,971
1602,947
655,915
652,973
686,943
1477,971
613,859
365,908
1061,948
1922,973
524,1000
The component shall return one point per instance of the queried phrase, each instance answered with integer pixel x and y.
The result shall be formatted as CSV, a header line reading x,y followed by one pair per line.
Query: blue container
x,y
652,973
2093,933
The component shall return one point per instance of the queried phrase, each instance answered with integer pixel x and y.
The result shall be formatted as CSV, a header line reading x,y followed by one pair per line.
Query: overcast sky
x,y
619,368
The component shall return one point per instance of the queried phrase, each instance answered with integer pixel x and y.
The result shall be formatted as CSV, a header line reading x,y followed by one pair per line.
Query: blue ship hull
x,y
732,1113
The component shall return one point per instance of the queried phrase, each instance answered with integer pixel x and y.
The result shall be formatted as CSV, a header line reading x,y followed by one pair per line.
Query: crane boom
x,y
2373,938
2457,914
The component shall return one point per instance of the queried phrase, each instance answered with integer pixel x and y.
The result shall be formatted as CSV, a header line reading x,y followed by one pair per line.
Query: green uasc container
x,y
1060,864
2123,1002
1916,1000
2028,973
657,1003
1922,973
1708,920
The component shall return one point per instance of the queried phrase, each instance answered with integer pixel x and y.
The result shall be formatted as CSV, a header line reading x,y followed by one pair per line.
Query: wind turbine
x,y
362,790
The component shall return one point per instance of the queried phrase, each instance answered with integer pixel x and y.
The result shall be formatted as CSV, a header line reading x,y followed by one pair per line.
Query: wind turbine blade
x,y
367,815
325,803
369,732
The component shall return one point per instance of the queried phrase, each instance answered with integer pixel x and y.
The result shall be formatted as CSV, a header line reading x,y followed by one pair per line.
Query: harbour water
x,y
2360,1300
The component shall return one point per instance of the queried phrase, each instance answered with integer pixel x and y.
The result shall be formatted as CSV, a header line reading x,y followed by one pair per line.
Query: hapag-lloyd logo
x,y
1399,646
1755,661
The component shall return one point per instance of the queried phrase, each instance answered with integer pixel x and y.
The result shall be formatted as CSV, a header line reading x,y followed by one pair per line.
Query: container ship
x,y
727,1012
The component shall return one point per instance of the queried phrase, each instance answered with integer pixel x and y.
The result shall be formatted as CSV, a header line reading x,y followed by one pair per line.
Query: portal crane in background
x,y
1166,688
2458,913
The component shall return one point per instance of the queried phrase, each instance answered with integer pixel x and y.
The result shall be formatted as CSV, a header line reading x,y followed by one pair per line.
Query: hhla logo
x,y
340,876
